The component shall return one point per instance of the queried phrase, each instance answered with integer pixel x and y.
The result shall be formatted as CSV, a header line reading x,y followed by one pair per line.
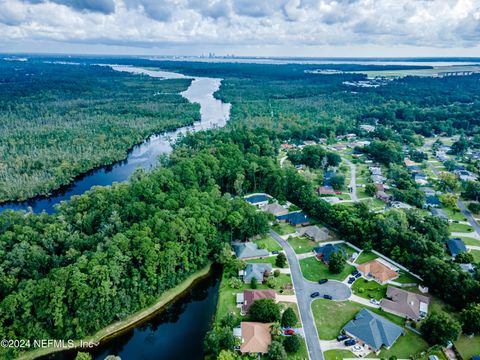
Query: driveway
x,y
468,215
303,289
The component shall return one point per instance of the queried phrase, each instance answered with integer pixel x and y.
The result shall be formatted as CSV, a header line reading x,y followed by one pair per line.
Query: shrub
x,y
292,343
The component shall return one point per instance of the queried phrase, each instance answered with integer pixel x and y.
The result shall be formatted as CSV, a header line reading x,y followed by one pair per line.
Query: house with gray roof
x,y
439,213
248,250
257,271
456,246
405,303
275,209
314,232
373,330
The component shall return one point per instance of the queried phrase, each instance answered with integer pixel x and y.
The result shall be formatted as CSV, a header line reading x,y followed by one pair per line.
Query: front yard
x,y
369,289
284,228
267,242
454,227
406,346
314,270
338,354
301,244
331,316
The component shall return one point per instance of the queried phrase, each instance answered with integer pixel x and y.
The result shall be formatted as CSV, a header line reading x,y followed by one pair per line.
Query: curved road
x,y
303,289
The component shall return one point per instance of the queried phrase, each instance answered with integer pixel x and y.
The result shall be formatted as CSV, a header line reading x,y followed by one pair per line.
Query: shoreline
x,y
131,321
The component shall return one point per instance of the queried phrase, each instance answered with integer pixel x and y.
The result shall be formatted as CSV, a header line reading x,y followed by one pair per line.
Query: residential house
x,y
375,170
248,250
414,169
275,209
456,246
258,199
325,252
400,205
382,195
367,128
295,218
373,330
431,201
468,268
420,178
325,190
250,296
314,233
326,178
378,270
405,303
465,175
428,191
255,337
260,271
377,179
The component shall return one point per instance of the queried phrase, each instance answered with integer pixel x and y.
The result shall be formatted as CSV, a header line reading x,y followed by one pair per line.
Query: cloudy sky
x,y
243,27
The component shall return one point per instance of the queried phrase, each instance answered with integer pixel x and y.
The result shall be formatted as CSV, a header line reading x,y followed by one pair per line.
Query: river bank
x,y
213,113
130,322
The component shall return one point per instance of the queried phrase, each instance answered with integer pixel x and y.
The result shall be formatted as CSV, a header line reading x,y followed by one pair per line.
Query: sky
x,y
315,28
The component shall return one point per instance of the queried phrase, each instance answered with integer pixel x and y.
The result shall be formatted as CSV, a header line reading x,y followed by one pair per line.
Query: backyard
x,y
314,270
284,228
365,256
406,346
267,242
369,289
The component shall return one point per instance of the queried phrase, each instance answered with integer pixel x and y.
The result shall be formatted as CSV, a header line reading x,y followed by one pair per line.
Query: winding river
x,y
213,113
176,332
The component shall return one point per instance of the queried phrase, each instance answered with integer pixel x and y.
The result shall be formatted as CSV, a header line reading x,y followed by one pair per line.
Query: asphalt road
x,y
303,289
353,180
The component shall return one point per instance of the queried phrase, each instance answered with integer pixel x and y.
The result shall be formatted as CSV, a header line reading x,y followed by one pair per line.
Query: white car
x,y
374,302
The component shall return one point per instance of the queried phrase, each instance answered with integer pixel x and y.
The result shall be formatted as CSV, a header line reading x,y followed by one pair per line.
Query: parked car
x,y
355,272
289,332
350,342
342,337
275,252
315,294
322,281
374,302
357,275
351,280
338,192
328,297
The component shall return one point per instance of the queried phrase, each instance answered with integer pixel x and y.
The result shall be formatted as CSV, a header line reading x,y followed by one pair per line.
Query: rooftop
x,y
405,303
256,337
456,246
248,250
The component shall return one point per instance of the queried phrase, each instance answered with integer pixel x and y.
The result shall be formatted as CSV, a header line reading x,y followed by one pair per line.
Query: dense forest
x,y
58,121
114,250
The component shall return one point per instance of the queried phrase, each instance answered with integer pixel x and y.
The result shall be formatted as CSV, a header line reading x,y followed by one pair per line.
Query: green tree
x,y
336,263
370,189
276,351
235,283
472,190
281,260
470,317
253,283
228,355
292,343
264,310
272,282
289,318
218,339
337,181
464,258
447,181
83,356
440,329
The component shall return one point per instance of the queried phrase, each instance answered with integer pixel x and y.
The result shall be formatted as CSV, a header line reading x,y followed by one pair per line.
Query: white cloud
x,y
242,23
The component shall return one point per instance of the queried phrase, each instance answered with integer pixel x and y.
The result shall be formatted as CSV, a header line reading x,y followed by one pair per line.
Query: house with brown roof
x,y
405,303
250,296
255,337
379,271
325,190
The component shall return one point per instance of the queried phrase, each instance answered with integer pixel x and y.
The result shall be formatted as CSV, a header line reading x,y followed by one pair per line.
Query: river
x,y
213,113
175,333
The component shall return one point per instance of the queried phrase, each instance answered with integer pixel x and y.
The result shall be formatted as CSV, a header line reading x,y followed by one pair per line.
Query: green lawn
x,y
265,260
301,244
267,242
314,270
406,278
331,316
405,346
369,289
338,354
476,255
349,250
365,256
454,214
284,228
467,347
470,241
454,227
